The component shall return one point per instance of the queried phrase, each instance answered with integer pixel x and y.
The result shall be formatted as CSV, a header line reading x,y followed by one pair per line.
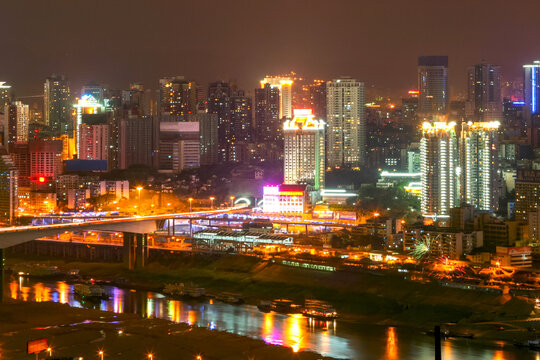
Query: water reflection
x,y
295,331
391,344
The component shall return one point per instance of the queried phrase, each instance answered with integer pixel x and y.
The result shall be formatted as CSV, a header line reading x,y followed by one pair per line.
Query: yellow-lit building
x,y
304,149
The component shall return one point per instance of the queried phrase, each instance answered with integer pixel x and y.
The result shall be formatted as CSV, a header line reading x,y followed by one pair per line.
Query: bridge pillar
x,y
129,250
2,260
141,256
135,250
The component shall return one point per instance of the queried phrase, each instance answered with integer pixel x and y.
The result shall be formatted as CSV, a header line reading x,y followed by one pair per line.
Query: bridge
x,y
10,236
135,229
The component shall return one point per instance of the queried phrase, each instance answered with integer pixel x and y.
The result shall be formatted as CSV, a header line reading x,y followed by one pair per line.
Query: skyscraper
x,y
531,86
304,149
57,106
284,85
267,121
438,162
136,140
531,90
346,119
95,90
8,189
484,101
4,95
87,107
94,143
432,84
479,155
16,122
45,159
317,97
208,137
177,96
241,127
219,103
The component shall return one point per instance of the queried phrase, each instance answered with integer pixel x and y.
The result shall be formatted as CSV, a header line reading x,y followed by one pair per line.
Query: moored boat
x,y
319,310
285,306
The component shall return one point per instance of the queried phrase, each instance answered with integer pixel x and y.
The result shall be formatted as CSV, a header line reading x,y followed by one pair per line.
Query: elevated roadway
x,y
10,236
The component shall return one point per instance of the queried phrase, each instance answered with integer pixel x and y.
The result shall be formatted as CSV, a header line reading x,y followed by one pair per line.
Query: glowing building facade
x,y
284,84
285,199
439,169
346,134
479,153
304,149
86,105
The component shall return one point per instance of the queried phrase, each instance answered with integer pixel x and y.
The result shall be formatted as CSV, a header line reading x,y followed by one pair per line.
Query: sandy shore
x,y
74,332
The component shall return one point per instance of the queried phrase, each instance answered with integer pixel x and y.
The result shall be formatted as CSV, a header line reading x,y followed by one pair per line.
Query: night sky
x,y
115,42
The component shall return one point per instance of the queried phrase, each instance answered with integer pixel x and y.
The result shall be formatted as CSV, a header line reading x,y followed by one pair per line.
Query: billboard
x,y
36,346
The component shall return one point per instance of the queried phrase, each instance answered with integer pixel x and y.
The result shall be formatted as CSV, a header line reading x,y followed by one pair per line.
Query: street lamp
x,y
190,200
150,356
49,350
212,202
101,354
232,199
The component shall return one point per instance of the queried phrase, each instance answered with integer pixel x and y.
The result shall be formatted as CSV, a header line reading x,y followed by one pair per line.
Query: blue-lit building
x,y
531,86
531,89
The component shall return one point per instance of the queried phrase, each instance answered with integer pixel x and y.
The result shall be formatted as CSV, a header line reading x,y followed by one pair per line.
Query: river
x,y
338,339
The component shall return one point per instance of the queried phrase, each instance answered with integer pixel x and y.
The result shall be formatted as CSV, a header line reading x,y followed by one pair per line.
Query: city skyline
x,y
93,53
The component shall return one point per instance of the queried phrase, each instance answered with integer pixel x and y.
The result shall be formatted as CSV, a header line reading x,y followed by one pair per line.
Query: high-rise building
x,y
527,193
4,95
433,85
219,103
267,124
16,123
57,105
208,136
241,127
20,154
531,86
304,149
95,90
45,159
94,143
317,97
136,139
479,153
8,189
484,102
284,85
176,141
439,163
346,133
87,106
177,96
23,121
531,90
9,124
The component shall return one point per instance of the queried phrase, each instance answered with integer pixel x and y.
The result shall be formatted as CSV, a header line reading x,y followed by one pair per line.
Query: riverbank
x,y
74,332
359,297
